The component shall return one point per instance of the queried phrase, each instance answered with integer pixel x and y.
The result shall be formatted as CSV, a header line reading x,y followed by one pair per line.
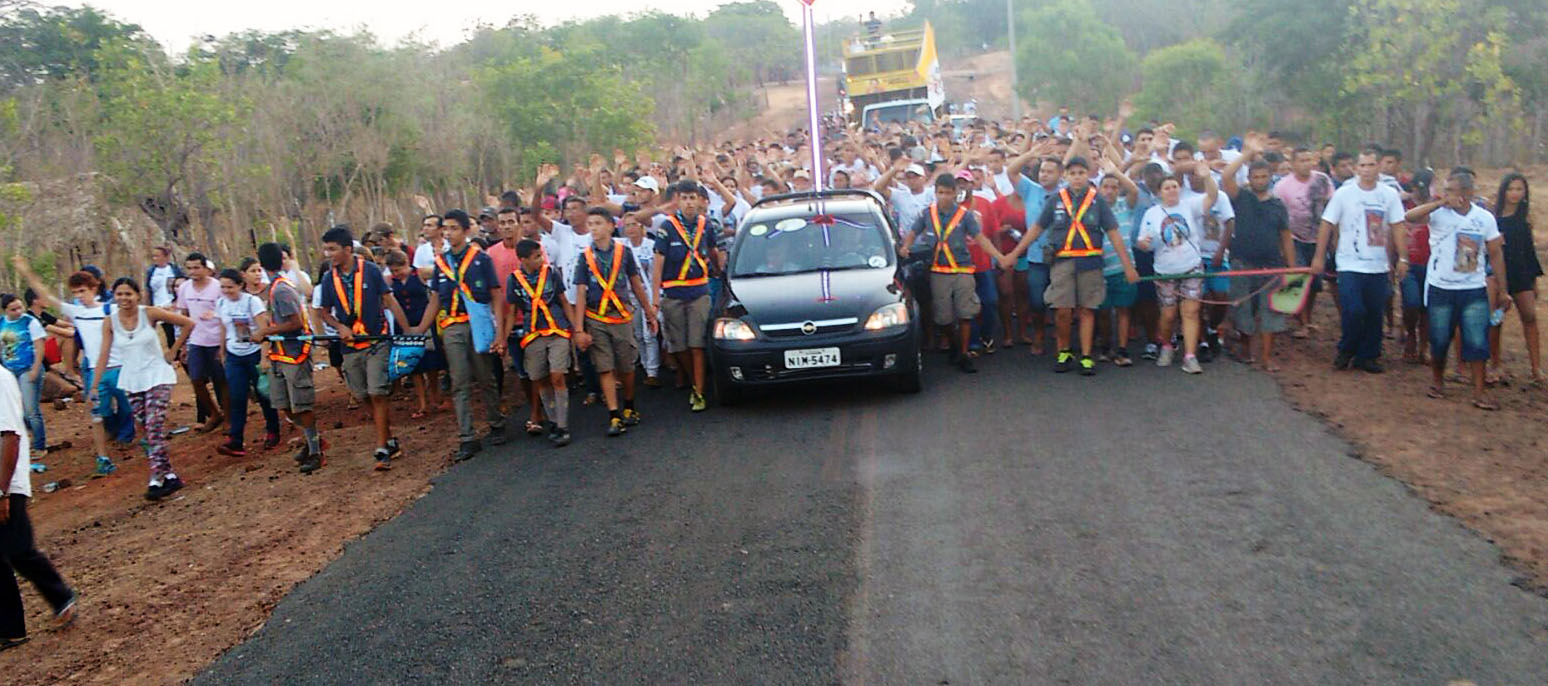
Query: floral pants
x,y
150,409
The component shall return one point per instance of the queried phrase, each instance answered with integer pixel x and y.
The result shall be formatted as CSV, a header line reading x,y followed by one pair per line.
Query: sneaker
x,y
615,427
8,643
394,450
1087,366
1151,350
560,438
1206,352
631,417
231,448
653,381
312,463
383,459
1165,358
1191,365
496,435
965,363
1065,361
270,440
105,465
1342,361
65,615
1121,359
302,453
163,488
467,449
1370,366
695,402
1104,355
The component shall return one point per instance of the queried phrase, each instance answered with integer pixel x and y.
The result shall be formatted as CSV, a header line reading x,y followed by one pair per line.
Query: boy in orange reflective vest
x,y
688,252
536,289
945,228
290,365
603,324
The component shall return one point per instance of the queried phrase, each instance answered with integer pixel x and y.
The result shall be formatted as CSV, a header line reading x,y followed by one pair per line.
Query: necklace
x,y
130,330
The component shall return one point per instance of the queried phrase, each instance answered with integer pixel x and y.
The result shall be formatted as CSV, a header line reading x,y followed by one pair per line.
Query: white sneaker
x,y
1191,365
1165,358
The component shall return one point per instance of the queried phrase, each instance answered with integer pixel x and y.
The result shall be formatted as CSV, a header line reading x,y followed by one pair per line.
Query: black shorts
x,y
336,354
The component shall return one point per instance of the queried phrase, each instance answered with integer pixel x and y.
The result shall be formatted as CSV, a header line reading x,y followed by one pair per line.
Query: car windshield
x,y
768,247
900,114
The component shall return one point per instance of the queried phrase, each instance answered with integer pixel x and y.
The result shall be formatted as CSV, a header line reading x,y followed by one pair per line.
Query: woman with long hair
x,y
146,373
1513,209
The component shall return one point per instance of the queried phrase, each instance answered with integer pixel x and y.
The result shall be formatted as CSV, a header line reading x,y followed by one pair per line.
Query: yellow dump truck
x,y
892,76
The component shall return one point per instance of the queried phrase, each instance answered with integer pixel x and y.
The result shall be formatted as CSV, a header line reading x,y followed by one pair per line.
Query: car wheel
x,y
912,381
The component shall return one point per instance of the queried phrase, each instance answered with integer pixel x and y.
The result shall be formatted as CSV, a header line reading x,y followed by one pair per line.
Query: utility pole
x,y
1010,27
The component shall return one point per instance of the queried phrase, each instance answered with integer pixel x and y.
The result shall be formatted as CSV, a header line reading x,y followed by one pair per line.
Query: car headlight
x,y
888,316
733,330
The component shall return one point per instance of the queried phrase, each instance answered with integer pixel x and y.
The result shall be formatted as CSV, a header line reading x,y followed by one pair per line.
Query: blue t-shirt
x,y
1032,196
479,278
17,351
1111,264
413,296
673,249
372,286
553,286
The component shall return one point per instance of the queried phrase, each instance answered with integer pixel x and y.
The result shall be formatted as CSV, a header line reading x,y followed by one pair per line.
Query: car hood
x,y
804,297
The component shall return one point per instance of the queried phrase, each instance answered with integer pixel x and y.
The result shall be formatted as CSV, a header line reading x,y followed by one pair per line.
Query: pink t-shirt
x,y
200,304
1304,201
505,262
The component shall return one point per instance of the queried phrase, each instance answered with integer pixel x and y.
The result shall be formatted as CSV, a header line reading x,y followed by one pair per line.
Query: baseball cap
x,y
486,212
549,203
964,175
802,174
648,183
915,168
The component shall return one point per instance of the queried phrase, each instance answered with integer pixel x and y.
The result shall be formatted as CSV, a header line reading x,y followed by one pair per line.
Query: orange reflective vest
x,y
277,349
358,326
610,298
692,257
941,248
455,314
540,311
1077,226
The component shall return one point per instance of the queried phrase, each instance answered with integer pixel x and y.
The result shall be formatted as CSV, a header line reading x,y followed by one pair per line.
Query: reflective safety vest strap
x,y
609,289
692,257
357,325
277,348
455,314
941,248
540,310
1077,226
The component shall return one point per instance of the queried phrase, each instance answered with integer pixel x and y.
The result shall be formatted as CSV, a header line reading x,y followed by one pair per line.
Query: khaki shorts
x,y
290,386
1171,291
684,322
1069,288
365,370
953,298
612,346
546,355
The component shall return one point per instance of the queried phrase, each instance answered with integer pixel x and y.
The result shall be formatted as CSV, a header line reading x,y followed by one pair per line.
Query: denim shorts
x,y
1413,288
1038,276
1467,311
203,362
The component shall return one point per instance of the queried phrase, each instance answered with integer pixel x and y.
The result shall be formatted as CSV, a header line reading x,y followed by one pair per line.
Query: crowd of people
x,y
1125,243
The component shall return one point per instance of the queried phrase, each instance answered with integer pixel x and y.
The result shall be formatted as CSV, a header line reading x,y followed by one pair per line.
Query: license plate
x,y
811,358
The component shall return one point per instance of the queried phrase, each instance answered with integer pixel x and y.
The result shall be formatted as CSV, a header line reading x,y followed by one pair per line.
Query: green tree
x,y
756,35
571,103
57,43
1185,83
1067,56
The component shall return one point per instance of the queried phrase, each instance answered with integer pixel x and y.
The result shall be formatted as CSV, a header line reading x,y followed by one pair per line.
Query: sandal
x,y
1488,405
534,428
1435,392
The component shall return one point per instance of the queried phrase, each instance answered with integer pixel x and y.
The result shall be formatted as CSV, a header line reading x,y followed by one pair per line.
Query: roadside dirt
x,y
166,587
1487,469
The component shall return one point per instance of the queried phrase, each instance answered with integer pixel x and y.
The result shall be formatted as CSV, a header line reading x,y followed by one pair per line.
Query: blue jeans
x,y
112,405
1363,298
988,321
32,408
241,378
1037,283
1466,310
1413,288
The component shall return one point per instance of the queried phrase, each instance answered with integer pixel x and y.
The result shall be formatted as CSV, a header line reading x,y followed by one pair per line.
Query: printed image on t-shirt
x,y
1468,247
1375,228
1174,230
243,325
1211,228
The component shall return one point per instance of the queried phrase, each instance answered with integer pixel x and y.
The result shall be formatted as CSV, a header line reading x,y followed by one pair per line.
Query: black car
x,y
814,290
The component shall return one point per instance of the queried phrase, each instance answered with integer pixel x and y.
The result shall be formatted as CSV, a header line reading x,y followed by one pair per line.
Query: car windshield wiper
x,y
809,270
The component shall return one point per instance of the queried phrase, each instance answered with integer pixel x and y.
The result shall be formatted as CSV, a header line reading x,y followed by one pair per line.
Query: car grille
x,y
799,329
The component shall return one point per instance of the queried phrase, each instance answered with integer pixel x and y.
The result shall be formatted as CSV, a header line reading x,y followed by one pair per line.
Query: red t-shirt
x,y
989,225
1418,240
1008,211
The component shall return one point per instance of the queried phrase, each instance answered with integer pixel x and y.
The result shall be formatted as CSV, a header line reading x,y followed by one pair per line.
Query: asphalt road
x,y
1013,527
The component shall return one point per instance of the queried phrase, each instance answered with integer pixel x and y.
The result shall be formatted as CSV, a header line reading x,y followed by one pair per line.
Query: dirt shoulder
x,y
166,587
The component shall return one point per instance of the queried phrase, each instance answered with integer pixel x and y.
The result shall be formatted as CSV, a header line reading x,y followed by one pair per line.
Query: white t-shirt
x,y
11,422
1002,181
1459,248
238,317
322,324
161,286
910,206
1364,219
567,248
424,255
645,259
88,323
1174,235
1387,180
1212,225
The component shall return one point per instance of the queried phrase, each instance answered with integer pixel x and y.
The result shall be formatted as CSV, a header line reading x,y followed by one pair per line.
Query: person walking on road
x,y
19,554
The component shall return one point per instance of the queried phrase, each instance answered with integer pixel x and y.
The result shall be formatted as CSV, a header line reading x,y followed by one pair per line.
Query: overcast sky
x,y
176,22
